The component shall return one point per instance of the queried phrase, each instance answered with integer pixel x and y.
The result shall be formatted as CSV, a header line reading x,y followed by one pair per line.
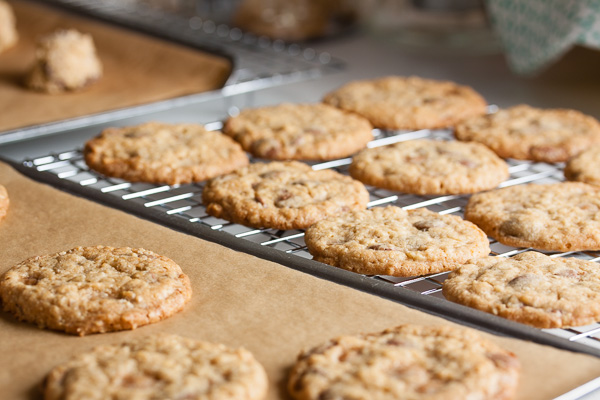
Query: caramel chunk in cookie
x,y
406,362
396,102
428,167
282,195
159,367
95,289
530,288
527,133
163,153
66,61
556,217
299,132
393,241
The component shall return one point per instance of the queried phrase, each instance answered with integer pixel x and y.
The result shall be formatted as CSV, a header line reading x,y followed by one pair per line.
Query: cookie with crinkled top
x,y
527,133
159,366
282,195
393,241
406,362
4,202
396,102
585,167
95,289
530,288
299,132
428,167
163,153
556,217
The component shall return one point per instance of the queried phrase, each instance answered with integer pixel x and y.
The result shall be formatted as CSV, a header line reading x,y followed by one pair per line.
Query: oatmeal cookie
x,y
4,202
408,103
163,153
428,167
95,289
530,288
526,133
556,217
406,362
159,367
299,132
8,27
393,241
585,167
282,195
66,60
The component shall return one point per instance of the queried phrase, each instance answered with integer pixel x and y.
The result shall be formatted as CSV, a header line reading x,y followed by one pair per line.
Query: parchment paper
x,y
138,69
238,299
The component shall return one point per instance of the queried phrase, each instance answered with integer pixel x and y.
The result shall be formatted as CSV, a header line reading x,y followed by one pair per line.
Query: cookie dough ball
x,y
66,60
8,27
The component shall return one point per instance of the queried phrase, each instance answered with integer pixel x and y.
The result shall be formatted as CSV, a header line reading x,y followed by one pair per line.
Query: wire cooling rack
x,y
180,206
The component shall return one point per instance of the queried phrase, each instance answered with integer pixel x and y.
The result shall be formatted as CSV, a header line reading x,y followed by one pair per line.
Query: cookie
x,y
526,133
159,367
65,61
299,132
393,241
406,362
282,19
163,153
4,202
8,27
530,288
585,167
95,289
428,167
555,217
282,195
396,102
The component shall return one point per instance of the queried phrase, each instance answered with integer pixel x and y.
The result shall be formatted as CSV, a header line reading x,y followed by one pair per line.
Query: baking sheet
x,y
138,69
238,299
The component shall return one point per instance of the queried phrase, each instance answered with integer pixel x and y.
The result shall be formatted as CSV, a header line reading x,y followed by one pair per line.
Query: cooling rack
x,y
180,207
258,62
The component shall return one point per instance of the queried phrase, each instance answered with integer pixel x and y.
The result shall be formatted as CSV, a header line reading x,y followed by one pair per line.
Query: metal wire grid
x,y
184,202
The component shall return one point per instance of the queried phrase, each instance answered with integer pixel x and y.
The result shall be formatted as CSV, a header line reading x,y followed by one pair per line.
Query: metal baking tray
x,y
180,208
257,62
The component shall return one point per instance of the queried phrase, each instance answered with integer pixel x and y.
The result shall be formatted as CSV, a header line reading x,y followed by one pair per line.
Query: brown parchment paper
x,y
138,69
238,299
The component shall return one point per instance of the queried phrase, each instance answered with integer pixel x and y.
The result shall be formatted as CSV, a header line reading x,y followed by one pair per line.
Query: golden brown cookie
x,y
299,132
159,367
4,202
66,60
531,288
283,19
428,167
556,217
526,133
95,289
163,153
8,27
406,362
396,102
585,167
393,241
282,195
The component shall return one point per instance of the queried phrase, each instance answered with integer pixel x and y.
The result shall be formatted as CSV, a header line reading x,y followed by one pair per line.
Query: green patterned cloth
x,y
536,33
